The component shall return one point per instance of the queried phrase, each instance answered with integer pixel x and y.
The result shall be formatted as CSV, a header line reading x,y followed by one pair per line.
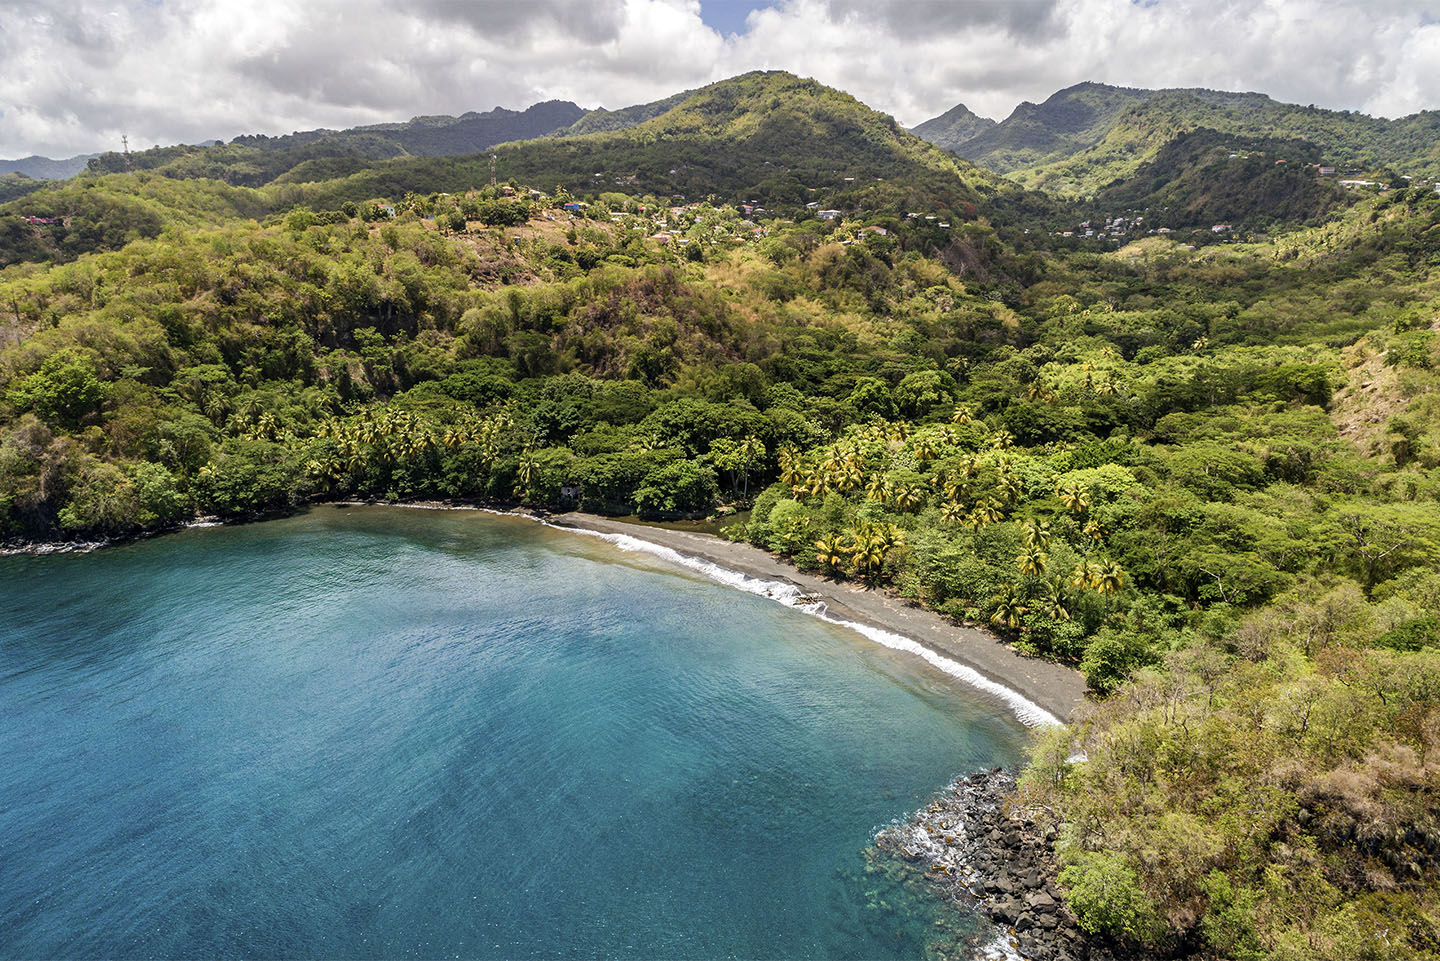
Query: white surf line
x,y
1027,711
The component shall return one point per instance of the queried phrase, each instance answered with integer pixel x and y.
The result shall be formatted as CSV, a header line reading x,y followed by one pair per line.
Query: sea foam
x,y
1026,710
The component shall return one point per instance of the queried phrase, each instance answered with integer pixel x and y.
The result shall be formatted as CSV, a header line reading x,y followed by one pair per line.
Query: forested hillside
x,y
1087,136
1208,478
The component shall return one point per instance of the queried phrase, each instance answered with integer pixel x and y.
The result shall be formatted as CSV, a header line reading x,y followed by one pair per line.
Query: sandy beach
x,y
1059,690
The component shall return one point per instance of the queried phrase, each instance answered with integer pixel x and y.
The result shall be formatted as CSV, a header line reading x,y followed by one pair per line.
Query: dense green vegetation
x,y
1086,136
1207,478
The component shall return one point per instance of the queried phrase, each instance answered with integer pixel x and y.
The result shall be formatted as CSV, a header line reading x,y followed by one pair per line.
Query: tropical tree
x,y
1036,533
1009,608
1074,497
1032,562
1110,579
831,552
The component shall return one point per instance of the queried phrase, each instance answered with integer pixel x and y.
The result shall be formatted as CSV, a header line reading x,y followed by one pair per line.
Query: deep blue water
x,y
399,733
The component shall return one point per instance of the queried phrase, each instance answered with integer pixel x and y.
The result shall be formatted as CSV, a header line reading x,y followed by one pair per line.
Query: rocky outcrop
x,y
1001,861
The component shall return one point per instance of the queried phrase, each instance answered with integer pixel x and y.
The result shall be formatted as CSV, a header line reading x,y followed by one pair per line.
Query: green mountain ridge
x,y
773,133
1085,137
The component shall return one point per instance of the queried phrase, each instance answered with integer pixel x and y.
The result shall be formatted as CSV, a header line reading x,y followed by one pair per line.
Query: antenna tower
x,y
125,142
492,170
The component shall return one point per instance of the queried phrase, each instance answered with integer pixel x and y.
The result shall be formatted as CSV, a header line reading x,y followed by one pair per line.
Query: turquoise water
x,y
399,733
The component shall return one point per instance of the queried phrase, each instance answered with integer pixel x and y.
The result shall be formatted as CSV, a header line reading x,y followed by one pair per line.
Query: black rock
x,y
1042,903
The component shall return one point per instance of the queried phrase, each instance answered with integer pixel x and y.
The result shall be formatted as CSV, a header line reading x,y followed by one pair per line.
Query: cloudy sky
x,y
79,73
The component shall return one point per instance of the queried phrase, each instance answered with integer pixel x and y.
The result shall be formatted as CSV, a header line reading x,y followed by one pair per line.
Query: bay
x,y
380,732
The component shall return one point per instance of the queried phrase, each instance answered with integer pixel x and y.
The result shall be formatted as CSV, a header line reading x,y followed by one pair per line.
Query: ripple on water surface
x,y
381,733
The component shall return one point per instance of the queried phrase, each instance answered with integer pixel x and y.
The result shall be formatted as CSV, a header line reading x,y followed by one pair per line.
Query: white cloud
x,y
79,73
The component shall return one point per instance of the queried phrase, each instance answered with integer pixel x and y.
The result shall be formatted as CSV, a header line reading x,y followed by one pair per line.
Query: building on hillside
x,y
828,214
1221,229
1327,171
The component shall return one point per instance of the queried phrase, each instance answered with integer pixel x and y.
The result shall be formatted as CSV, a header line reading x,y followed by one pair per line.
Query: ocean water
x,y
378,732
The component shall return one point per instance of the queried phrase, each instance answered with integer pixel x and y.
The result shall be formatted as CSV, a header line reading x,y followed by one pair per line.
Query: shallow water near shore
x,y
376,732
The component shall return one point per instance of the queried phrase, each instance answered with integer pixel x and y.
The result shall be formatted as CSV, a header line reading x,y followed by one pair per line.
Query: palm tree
x,y
1074,497
830,551
1003,440
1032,562
986,513
1053,605
525,473
1008,488
908,497
962,415
1009,608
924,450
1085,575
1095,530
953,511
878,489
1110,579
1036,533
849,476
792,471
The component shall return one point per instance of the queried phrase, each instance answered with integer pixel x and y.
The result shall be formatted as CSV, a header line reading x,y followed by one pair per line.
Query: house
x,y
660,238
1221,229
34,221
1327,171
1163,230
828,214
1357,184
574,207
876,230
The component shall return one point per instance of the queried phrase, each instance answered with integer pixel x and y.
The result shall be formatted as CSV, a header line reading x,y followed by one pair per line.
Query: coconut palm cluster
x,y
870,489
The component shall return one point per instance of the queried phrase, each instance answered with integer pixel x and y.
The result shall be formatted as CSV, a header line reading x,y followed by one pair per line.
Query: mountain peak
x,y
954,127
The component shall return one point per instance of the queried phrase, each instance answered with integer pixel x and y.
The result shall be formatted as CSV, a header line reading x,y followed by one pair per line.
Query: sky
x,y
79,74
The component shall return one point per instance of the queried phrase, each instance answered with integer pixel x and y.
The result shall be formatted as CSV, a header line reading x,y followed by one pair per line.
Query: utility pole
x,y
125,142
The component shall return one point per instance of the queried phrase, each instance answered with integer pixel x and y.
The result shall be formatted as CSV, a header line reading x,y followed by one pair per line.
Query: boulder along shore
x,y
980,852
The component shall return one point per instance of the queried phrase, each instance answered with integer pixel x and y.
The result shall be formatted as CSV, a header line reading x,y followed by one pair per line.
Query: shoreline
x,y
1057,691
1035,690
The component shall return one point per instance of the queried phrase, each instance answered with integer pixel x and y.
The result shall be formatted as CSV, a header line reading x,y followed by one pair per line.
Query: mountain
x,y
602,120
315,155
44,168
444,135
765,136
954,127
1085,137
